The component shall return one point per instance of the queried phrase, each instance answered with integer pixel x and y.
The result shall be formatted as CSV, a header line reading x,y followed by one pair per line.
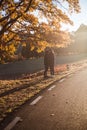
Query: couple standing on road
x,y
48,61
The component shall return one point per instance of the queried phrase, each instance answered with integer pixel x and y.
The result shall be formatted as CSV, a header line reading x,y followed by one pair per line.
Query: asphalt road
x,y
63,106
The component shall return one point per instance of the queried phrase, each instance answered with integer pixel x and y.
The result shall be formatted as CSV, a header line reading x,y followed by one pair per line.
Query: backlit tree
x,y
20,23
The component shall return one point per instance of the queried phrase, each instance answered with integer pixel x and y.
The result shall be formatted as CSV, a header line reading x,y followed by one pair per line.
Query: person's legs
x,y
52,69
45,72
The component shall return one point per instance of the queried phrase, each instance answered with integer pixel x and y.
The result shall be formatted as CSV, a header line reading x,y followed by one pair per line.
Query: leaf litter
x,y
31,86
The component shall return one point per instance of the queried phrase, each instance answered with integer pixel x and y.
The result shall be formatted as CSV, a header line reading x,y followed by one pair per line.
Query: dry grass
x,y
14,93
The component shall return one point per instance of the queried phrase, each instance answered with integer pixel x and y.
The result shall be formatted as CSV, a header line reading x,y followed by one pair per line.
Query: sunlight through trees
x,y
20,24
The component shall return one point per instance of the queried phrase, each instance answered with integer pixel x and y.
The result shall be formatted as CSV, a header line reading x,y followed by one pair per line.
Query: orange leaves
x,y
41,46
14,15
8,49
20,18
32,47
73,6
33,19
24,44
11,8
30,18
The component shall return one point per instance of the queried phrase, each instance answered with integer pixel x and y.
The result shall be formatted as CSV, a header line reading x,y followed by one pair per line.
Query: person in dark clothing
x,y
48,61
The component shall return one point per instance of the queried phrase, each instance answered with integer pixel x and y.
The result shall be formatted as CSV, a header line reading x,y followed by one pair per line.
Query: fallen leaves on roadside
x,y
33,85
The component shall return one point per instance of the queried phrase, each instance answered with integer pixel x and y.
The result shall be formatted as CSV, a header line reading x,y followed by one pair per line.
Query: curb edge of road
x,y
11,115
48,86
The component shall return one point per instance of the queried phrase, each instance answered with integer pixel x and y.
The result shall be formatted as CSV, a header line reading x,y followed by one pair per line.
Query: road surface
x,y
62,106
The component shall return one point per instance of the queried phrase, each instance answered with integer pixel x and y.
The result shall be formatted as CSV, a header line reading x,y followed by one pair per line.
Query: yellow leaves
x,y
32,47
0,16
11,8
41,46
39,50
38,35
46,27
1,47
30,22
8,48
31,9
29,18
24,44
48,0
42,43
17,38
11,48
1,101
17,25
9,110
33,19
73,6
7,36
14,15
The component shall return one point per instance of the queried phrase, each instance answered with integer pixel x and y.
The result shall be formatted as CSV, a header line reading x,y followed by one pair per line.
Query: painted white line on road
x,y
61,80
36,100
13,123
51,87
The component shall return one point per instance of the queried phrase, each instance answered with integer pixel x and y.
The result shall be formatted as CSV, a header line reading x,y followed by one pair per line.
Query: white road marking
x,y
13,123
36,100
51,87
61,80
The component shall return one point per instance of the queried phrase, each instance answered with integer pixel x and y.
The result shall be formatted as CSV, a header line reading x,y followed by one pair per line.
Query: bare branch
x,y
29,4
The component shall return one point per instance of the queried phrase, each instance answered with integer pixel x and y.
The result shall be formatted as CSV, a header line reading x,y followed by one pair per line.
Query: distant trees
x,y
20,23
81,39
79,44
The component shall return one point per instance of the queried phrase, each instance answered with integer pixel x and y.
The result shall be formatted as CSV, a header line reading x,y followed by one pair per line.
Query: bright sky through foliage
x,y
78,19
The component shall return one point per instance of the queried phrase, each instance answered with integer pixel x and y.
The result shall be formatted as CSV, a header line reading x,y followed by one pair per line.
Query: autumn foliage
x,y
20,23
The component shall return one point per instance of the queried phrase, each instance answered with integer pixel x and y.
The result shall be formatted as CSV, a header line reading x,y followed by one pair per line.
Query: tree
x,y
18,20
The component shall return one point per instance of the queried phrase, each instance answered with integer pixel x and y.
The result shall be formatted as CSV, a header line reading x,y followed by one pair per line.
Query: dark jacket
x,y
49,58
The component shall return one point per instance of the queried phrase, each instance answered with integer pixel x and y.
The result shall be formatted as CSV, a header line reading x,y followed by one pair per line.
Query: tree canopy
x,y
20,23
